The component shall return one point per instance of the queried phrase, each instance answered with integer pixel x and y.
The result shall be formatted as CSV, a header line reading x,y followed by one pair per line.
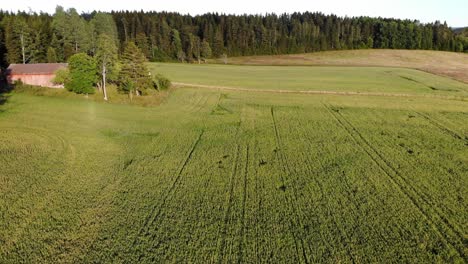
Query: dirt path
x,y
217,87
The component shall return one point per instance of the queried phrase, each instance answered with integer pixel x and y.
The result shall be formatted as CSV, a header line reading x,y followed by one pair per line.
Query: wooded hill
x,y
162,36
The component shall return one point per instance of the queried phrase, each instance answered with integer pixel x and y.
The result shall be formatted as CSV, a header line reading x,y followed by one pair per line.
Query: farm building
x,y
40,74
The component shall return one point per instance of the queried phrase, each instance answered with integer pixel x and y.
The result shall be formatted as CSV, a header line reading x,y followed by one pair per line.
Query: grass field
x,y
450,64
215,175
306,78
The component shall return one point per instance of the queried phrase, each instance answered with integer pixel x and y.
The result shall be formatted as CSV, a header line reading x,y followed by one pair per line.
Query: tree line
x,y
162,36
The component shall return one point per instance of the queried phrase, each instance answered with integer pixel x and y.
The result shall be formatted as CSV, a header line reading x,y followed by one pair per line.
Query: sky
x,y
455,12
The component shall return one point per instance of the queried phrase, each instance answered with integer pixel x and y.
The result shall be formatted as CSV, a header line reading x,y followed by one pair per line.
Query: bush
x,y
83,74
161,83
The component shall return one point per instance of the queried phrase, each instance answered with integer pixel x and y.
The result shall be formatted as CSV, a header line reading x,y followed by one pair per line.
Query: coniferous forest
x,y
161,36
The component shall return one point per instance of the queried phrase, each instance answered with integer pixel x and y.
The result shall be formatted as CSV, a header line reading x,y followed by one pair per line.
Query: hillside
x,y
454,65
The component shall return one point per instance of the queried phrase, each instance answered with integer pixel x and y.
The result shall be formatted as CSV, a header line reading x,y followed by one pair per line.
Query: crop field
x,y
226,176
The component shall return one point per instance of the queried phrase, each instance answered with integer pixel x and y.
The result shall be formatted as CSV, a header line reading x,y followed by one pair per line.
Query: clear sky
x,y
455,12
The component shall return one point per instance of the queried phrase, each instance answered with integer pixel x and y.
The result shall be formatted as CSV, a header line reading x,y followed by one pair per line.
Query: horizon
x,y
451,11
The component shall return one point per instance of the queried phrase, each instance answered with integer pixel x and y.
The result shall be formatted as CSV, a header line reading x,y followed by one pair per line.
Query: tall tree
x,y
51,55
18,40
177,45
106,58
104,23
74,34
205,50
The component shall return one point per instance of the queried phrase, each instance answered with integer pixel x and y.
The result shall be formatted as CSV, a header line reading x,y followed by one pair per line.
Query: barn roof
x,y
36,68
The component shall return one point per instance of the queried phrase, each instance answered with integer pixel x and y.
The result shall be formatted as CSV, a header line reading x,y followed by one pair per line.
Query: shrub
x,y
62,76
161,83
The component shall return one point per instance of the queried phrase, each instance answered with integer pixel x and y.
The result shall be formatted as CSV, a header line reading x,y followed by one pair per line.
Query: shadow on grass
x,y
3,99
4,94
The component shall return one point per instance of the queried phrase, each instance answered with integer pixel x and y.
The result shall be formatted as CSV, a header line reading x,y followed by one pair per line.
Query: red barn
x,y
40,74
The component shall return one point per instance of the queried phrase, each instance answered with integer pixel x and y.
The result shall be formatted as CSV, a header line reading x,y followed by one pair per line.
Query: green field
x,y
235,176
317,78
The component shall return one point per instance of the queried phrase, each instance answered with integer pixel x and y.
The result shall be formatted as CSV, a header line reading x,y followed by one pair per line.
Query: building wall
x,y
44,80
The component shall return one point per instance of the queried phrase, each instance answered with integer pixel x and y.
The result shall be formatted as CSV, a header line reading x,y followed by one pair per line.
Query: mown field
x,y
450,64
316,78
226,176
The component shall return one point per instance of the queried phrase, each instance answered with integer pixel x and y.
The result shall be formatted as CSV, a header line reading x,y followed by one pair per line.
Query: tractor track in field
x,y
409,191
156,210
442,171
343,234
288,171
312,92
257,196
442,127
244,199
227,212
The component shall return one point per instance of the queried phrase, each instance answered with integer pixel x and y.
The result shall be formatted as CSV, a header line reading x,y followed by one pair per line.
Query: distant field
x,y
302,78
454,65
235,176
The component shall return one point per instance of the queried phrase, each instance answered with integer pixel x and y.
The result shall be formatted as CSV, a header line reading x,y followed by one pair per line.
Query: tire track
x,y
257,196
442,127
193,102
288,171
227,212
441,169
244,198
406,188
201,105
344,236
156,210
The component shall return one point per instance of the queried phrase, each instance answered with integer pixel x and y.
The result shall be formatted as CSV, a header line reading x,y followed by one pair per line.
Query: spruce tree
x,y
134,75
205,50
51,55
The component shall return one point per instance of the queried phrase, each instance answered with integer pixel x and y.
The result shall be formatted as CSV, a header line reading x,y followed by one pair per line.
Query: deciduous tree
x,y
106,58
83,74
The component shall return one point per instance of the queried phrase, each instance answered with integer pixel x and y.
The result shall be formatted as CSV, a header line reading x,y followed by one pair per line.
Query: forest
x,y
29,37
